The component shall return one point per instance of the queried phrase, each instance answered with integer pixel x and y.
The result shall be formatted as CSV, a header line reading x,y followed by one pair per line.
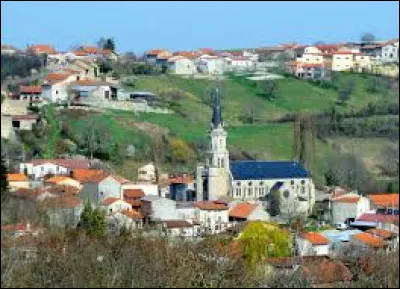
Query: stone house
x,y
348,207
242,212
213,218
312,243
156,209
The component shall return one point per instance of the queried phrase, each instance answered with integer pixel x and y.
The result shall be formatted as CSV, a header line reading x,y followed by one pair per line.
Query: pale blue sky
x,y
138,26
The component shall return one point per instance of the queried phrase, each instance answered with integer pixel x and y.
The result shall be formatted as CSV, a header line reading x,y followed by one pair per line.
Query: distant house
x,y
127,219
38,168
8,49
312,243
55,86
156,209
213,218
63,211
181,188
148,188
23,122
112,205
42,49
180,228
348,207
181,65
31,93
102,186
369,241
147,173
152,55
89,90
390,52
241,212
63,180
207,64
16,181
384,201
133,196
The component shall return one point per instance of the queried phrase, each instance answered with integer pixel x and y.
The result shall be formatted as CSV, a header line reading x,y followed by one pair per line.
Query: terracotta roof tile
x,y
171,224
384,234
181,180
17,178
14,227
109,201
385,200
42,48
30,89
346,199
210,206
134,203
133,193
67,163
25,117
315,238
64,190
369,240
58,179
242,210
83,174
371,217
57,77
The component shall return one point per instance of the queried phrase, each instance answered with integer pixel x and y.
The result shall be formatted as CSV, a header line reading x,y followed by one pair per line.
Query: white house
x,y
113,205
147,173
349,206
312,244
156,209
180,228
390,52
311,55
181,65
127,219
148,188
38,168
248,212
63,180
210,64
55,86
212,217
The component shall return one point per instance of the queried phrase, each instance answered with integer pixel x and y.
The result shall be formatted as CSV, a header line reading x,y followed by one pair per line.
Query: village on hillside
x,y
323,225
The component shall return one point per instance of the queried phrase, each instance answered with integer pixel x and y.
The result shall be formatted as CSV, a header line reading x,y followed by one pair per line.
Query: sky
x,y
139,26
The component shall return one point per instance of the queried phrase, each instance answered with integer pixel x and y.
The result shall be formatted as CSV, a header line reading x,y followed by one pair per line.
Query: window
x,y
250,183
56,91
286,194
250,191
292,182
261,183
238,183
303,182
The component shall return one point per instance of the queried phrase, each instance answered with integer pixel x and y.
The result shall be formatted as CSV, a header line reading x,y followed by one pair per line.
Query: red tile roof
x,y
242,210
385,200
134,203
154,52
109,201
346,199
384,234
326,272
14,227
25,117
371,217
64,190
83,174
210,206
17,178
133,193
181,180
58,179
369,240
67,163
315,238
30,89
56,77
22,192
171,224
42,48
80,53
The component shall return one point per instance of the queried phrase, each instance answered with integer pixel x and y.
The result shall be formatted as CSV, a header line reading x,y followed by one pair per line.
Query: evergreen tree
x,y
275,202
93,221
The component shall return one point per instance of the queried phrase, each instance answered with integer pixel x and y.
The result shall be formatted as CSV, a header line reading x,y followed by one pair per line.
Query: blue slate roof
x,y
259,170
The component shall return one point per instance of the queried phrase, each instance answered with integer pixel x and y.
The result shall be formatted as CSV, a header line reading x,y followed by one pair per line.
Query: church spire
x,y
217,116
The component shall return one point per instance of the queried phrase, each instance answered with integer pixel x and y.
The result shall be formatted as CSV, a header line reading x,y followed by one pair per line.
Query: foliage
x,y
260,240
275,202
54,132
269,89
93,221
106,43
181,152
18,65
368,37
345,92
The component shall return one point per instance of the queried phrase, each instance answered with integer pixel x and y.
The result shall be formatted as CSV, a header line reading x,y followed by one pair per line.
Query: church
x,y
251,180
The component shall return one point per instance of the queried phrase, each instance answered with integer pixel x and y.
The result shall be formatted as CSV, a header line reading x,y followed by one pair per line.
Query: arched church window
x,y
261,183
303,182
292,182
238,183
250,183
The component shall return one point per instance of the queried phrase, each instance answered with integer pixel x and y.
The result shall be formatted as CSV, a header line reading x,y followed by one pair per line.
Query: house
x,y
212,65
112,205
42,49
180,228
181,65
242,212
55,86
348,207
38,168
342,61
239,63
392,239
181,188
87,68
16,181
21,229
156,209
63,180
63,211
148,188
340,241
308,70
31,93
212,217
23,122
390,52
147,173
151,55
384,201
362,63
102,186
90,91
8,49
311,55
82,174
383,220
133,196
369,241
127,219
312,243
